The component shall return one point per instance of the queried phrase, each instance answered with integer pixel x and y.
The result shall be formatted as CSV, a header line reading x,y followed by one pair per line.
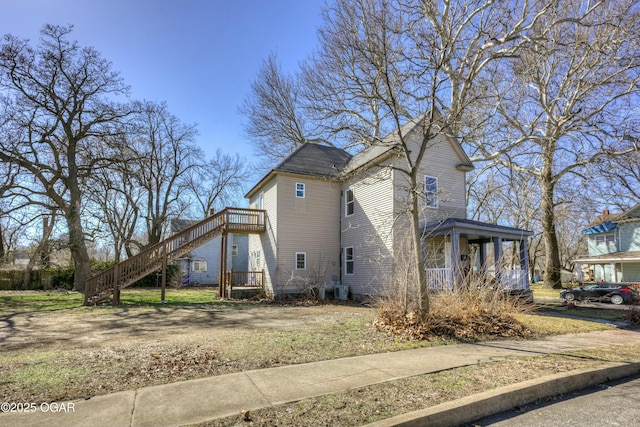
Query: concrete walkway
x,y
204,399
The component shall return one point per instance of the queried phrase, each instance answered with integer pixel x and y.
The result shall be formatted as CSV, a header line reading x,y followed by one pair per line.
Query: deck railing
x,y
127,272
245,279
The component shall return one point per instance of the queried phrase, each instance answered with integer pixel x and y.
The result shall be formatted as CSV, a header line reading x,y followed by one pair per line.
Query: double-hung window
x,y
199,266
301,260
349,203
348,260
605,240
260,201
300,190
431,191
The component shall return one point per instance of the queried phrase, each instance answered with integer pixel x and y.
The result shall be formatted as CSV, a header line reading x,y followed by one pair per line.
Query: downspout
x,y
341,255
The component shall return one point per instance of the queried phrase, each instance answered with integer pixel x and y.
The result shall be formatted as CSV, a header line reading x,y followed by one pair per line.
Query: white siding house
x,y
337,219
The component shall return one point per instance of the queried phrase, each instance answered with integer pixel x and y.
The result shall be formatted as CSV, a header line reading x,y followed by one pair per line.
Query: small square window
x,y
300,190
199,266
301,261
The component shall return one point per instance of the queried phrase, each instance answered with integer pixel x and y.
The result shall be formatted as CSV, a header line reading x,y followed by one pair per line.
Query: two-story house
x,y
337,219
614,248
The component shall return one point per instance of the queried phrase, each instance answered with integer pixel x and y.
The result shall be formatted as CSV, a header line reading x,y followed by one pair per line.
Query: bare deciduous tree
x,y
217,183
565,100
165,152
57,109
275,122
384,63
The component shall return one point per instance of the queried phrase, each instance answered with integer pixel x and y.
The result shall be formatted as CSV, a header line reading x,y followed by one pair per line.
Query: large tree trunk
x,y
552,255
77,243
79,251
416,237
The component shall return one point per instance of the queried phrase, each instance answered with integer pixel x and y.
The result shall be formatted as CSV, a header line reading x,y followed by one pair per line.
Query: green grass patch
x,y
173,297
42,376
550,325
540,291
20,301
594,313
39,301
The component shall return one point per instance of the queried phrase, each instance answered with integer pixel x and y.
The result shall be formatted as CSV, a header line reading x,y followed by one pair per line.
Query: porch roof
x,y
476,230
627,256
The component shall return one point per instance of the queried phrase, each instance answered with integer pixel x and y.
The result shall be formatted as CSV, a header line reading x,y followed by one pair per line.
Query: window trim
x,y
605,239
348,261
260,200
304,260
431,202
349,203
199,263
301,191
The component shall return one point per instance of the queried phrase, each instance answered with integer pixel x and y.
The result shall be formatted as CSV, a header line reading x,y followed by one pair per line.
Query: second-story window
x,y
349,203
300,190
260,201
431,191
605,240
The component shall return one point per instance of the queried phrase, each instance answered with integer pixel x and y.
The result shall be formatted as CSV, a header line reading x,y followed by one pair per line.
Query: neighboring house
x,y
337,219
614,248
201,266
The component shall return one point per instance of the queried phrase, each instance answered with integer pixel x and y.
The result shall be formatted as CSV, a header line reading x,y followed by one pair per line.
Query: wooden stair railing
x,y
129,271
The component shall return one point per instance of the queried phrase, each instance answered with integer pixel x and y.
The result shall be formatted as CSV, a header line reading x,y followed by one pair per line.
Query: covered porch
x,y
616,267
459,248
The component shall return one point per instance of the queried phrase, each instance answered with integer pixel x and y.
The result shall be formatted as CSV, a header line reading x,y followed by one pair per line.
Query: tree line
x,y
76,154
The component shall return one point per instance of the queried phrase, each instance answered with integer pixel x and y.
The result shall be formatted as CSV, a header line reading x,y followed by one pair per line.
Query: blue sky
x,y
199,56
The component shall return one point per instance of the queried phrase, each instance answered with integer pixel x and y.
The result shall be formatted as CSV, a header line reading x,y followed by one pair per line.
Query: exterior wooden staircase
x,y
109,283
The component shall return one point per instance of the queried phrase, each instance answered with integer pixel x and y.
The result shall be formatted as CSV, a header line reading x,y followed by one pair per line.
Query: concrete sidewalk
x,y
204,399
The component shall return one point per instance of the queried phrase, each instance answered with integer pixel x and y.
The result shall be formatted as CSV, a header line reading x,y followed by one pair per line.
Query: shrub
x,y
475,309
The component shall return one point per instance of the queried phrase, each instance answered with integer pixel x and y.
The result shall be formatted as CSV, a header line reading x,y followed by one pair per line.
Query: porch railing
x,y
442,279
245,279
439,279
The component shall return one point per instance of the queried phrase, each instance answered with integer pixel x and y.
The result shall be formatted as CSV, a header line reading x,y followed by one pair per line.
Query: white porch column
x,y
579,271
497,257
455,255
614,273
524,262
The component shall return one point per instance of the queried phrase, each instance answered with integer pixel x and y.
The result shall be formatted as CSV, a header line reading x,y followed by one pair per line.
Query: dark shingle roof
x,y
315,160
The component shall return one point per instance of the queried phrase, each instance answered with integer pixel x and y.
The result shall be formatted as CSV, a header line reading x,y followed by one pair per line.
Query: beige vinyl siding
x,y
311,225
266,243
369,231
440,161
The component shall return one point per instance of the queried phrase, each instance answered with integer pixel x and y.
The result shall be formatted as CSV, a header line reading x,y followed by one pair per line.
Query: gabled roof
x,y
179,224
389,144
310,159
609,222
322,161
315,160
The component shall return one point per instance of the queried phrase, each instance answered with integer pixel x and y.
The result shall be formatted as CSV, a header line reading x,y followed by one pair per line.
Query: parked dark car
x,y
603,291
